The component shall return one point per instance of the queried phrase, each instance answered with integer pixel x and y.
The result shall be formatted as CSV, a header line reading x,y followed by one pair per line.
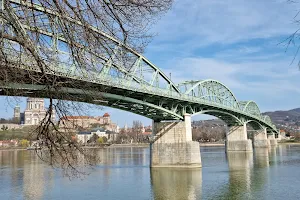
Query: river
x,y
124,173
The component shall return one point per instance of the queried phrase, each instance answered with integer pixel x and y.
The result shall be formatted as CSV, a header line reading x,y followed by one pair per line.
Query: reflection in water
x,y
34,180
261,157
123,156
26,174
240,165
280,152
123,173
272,153
246,173
181,184
10,164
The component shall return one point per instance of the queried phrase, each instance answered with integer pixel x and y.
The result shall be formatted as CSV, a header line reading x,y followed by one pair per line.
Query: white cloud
x,y
251,77
203,68
225,22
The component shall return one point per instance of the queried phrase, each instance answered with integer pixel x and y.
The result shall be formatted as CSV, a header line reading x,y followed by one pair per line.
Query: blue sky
x,y
234,41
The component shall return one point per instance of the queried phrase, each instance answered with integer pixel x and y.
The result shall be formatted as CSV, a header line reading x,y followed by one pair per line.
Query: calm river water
x,y
125,174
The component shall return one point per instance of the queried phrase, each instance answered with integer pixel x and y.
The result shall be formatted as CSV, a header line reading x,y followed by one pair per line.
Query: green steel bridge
x,y
121,78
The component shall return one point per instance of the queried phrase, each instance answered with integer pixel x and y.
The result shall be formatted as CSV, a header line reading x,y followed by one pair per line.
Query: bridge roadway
x,y
119,77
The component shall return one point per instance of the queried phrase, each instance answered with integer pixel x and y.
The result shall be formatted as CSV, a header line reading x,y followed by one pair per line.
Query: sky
x,y
237,42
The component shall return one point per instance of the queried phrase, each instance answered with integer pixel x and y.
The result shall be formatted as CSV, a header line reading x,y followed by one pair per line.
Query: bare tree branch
x,y
81,37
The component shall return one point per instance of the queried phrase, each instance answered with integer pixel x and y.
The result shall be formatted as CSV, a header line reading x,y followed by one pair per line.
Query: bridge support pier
x,y
173,146
236,139
260,139
272,140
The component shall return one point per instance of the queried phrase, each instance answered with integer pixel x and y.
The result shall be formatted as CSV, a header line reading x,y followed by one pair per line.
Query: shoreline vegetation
x,y
17,134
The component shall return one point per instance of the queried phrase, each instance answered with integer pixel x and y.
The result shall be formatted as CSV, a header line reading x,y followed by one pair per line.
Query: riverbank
x,y
12,148
289,142
143,145
130,145
147,145
212,144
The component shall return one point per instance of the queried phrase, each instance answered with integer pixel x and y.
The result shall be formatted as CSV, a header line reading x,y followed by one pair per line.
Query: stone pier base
x,y
261,143
236,139
186,154
272,140
173,145
260,139
239,145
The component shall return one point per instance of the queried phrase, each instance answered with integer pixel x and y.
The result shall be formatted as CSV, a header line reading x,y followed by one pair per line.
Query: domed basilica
x,y
34,113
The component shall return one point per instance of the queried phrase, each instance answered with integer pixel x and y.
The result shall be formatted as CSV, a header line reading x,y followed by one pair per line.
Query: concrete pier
x,y
260,139
272,140
236,139
173,146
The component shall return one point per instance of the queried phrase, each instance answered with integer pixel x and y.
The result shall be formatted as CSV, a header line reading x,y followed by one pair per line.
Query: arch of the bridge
x,y
267,119
250,107
271,131
211,90
255,124
231,119
228,118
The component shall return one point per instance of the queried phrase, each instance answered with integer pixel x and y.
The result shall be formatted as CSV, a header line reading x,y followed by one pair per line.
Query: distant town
x,y
87,130
93,130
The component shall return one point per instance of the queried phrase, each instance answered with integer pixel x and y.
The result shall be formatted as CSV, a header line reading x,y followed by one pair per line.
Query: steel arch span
x,y
136,85
213,91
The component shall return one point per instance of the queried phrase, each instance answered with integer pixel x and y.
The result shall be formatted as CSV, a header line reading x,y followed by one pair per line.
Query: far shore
x,y
12,148
298,142
212,144
146,145
130,145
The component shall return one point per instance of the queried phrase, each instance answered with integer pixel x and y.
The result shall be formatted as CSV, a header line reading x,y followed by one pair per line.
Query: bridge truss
x,y
112,74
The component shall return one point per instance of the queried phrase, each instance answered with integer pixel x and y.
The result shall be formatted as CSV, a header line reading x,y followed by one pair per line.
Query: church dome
x,y
106,115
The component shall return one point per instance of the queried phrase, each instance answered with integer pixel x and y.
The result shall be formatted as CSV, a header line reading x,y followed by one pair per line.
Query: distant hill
x,y
278,117
284,116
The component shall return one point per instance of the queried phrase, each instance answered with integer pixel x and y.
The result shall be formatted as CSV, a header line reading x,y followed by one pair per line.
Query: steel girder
x,y
250,107
213,91
121,102
267,119
136,85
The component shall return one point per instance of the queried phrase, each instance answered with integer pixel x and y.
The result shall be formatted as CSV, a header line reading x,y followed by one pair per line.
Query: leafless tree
x,y
207,132
293,40
37,38
136,130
